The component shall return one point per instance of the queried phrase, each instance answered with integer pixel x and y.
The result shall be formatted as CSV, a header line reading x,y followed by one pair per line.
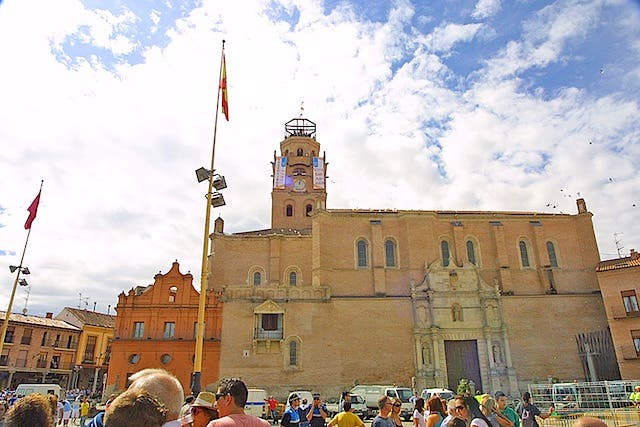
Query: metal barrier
x,y
623,417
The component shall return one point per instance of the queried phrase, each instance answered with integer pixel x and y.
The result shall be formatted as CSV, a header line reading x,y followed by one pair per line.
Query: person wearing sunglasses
x,y
385,404
291,416
230,400
203,409
395,412
468,409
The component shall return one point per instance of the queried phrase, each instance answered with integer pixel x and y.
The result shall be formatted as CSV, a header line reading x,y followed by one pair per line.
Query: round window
x,y
134,358
165,358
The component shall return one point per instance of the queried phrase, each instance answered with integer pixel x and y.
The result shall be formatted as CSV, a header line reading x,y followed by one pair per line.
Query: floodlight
x,y
202,174
23,282
219,182
217,200
13,268
25,270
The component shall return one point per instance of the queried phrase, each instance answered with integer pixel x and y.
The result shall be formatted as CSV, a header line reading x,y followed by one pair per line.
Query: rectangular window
x,y
42,361
8,338
4,359
635,335
26,336
21,362
55,362
44,339
138,329
90,349
107,354
195,329
56,343
269,326
630,301
169,330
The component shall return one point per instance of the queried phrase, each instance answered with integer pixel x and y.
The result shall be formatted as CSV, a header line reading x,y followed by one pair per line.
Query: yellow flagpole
x,y
5,324
197,363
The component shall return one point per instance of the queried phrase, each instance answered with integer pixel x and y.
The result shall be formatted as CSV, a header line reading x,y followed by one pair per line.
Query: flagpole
x,y
197,362
5,325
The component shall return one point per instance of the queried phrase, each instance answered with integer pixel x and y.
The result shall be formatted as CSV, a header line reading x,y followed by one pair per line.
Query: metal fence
x,y
577,397
624,417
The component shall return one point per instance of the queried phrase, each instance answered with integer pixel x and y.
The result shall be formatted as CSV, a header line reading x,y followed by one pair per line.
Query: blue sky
x,y
468,105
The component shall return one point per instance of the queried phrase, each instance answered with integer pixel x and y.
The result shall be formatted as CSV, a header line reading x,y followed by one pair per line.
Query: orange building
x,y
619,281
156,328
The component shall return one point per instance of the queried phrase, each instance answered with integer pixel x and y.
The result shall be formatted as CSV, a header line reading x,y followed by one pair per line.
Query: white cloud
x,y
486,8
446,36
118,149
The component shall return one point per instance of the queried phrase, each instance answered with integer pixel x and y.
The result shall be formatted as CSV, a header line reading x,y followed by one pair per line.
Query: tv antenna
x,y
81,300
25,310
618,241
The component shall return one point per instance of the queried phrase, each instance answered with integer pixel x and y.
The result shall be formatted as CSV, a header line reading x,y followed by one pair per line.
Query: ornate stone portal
x,y
453,307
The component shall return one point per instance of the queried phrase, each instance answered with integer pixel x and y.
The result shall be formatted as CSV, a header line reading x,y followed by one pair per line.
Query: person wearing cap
x,y
230,400
291,416
203,409
318,412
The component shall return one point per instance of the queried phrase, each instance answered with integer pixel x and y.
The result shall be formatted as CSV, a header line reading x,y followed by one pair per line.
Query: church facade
x,y
329,298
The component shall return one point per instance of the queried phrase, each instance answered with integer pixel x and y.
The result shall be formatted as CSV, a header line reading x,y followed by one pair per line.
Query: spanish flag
x,y
223,88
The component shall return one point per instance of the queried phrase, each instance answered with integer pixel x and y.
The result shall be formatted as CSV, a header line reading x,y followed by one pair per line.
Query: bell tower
x,y
299,177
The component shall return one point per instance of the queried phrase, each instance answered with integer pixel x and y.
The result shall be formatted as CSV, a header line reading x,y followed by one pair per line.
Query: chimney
x,y
49,315
582,206
219,226
634,255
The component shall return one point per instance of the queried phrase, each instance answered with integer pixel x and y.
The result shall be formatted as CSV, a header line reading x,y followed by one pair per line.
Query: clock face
x,y
299,185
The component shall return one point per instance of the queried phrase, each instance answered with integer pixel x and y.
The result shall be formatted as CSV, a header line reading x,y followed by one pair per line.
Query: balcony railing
x,y
41,364
267,335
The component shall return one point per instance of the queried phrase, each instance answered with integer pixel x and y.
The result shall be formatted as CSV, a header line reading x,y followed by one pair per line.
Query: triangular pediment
x,y
268,307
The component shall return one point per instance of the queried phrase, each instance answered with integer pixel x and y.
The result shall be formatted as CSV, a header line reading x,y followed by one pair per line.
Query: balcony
x,y
618,312
629,352
260,334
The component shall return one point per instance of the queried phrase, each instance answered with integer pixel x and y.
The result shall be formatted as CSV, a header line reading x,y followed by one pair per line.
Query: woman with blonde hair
x,y
436,412
488,408
395,411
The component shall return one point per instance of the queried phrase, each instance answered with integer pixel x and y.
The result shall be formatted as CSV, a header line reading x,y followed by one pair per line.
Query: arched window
x,y
471,252
293,353
444,249
257,278
289,210
293,278
390,253
362,253
300,152
524,253
551,250
308,210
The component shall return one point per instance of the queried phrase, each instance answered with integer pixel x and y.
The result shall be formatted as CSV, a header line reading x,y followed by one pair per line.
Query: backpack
x,y
528,419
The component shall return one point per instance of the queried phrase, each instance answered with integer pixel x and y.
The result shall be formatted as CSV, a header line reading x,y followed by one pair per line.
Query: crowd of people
x,y
155,398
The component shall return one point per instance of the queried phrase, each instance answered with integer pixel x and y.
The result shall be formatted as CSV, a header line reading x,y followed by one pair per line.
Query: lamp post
x,y
18,281
214,199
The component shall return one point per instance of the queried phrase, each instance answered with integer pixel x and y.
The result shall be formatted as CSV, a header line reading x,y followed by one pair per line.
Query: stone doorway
x,y
462,362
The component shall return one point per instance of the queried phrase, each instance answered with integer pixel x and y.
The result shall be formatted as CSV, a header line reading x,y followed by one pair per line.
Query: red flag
x,y
33,210
223,88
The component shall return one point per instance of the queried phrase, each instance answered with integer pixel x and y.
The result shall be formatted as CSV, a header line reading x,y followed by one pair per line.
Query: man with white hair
x,y
165,387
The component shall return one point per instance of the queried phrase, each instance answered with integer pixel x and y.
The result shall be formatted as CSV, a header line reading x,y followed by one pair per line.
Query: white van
x,y
27,389
441,392
372,393
256,403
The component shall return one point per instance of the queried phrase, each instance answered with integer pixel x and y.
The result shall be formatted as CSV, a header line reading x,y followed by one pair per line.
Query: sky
x,y
457,105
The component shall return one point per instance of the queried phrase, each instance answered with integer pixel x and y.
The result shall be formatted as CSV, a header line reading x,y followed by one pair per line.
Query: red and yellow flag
x,y
223,88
